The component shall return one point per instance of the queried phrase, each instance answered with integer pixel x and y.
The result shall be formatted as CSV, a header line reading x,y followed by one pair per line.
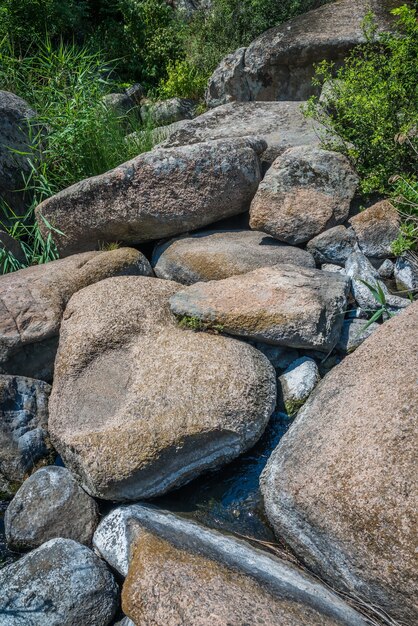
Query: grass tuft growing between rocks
x,y
194,323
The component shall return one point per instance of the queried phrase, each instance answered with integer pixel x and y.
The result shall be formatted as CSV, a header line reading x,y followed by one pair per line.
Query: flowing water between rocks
x,y
227,499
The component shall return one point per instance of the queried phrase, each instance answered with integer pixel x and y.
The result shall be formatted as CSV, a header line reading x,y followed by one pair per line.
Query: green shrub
x,y
183,81
373,102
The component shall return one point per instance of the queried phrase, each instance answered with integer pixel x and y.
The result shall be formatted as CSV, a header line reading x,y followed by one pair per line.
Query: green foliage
x,y
380,297
373,102
183,81
196,324
26,21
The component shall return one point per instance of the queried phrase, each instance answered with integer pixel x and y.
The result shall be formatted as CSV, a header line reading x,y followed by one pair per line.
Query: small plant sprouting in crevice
x,y
197,325
108,246
380,297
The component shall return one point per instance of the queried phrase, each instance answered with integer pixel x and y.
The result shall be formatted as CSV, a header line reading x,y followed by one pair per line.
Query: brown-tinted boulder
x,y
282,125
140,406
280,63
285,305
341,488
213,255
32,302
158,194
376,228
306,191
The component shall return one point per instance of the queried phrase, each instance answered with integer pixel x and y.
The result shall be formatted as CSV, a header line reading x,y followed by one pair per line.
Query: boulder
x,y
140,406
406,272
213,255
183,573
376,228
341,487
24,440
353,333
168,111
61,583
282,125
283,305
32,302
297,383
330,267
158,194
11,246
280,63
50,504
16,136
359,269
306,191
120,103
386,269
332,246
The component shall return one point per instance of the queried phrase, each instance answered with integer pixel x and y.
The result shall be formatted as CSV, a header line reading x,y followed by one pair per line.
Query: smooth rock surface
x,y
50,504
140,406
32,302
332,246
359,269
15,135
158,194
283,305
341,487
353,333
376,228
213,255
62,583
282,125
279,64
24,440
193,575
297,383
306,191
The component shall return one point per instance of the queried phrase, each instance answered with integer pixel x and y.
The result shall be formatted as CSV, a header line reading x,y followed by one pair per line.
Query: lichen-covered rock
x,y
341,487
282,125
157,194
386,269
50,504
361,271
283,305
32,302
140,406
333,245
280,63
61,583
376,228
213,255
168,111
297,383
183,573
16,143
24,438
306,191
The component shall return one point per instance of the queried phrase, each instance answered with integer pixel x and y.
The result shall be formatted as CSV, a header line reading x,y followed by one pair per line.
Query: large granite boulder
x,y
213,255
333,245
32,302
341,488
16,146
168,111
279,64
24,440
283,305
376,228
50,504
62,583
306,191
281,124
182,573
158,194
140,406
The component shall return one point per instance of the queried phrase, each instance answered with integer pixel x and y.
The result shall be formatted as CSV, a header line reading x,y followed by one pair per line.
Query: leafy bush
x,y
373,102
183,81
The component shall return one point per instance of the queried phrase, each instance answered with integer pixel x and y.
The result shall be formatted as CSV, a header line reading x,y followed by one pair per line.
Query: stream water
x,y
228,499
